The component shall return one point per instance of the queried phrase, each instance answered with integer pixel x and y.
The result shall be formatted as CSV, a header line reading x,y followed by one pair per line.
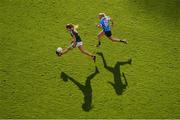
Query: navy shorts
x,y
108,33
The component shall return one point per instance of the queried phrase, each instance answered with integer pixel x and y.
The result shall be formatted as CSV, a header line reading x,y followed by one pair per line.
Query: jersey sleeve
x,y
108,17
101,22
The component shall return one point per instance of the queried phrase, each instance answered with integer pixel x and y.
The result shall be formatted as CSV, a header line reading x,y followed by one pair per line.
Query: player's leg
x,y
109,35
81,48
99,36
85,51
118,40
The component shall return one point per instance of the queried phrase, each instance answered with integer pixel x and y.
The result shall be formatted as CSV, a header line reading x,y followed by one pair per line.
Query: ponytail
x,y
76,26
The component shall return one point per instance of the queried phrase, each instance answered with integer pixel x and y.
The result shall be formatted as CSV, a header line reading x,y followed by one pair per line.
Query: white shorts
x,y
77,44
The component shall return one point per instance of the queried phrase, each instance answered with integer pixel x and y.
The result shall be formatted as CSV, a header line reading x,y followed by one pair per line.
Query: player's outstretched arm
x,y
112,22
98,26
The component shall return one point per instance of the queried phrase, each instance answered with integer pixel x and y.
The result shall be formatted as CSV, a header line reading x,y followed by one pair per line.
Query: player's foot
x,y
130,61
124,41
94,58
99,44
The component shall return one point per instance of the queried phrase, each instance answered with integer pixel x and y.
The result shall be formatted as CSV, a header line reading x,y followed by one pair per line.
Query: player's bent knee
x,y
110,38
81,49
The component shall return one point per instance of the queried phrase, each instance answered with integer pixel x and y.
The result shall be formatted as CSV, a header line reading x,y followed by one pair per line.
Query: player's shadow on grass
x,y
118,85
86,89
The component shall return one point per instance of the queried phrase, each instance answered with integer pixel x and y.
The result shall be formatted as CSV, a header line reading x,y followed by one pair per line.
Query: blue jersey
x,y
104,22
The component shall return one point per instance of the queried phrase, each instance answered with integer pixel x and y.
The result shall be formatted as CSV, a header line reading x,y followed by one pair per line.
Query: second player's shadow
x,y
86,89
118,85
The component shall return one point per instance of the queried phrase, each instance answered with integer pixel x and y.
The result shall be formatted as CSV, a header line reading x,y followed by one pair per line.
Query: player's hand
x,y
97,25
58,54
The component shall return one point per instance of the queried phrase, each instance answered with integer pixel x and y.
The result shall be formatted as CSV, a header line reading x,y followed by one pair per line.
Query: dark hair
x,y
69,26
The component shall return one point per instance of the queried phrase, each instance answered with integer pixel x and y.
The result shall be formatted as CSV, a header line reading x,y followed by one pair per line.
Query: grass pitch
x,y
35,83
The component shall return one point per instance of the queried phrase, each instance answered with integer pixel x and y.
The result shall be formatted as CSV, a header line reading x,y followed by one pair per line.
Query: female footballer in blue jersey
x,y
76,42
104,24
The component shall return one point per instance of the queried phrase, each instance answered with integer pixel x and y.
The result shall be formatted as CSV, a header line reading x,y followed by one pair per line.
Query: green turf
x,y
31,83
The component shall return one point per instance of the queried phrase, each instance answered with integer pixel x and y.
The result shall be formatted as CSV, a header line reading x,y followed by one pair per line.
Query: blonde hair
x,y
102,14
76,26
